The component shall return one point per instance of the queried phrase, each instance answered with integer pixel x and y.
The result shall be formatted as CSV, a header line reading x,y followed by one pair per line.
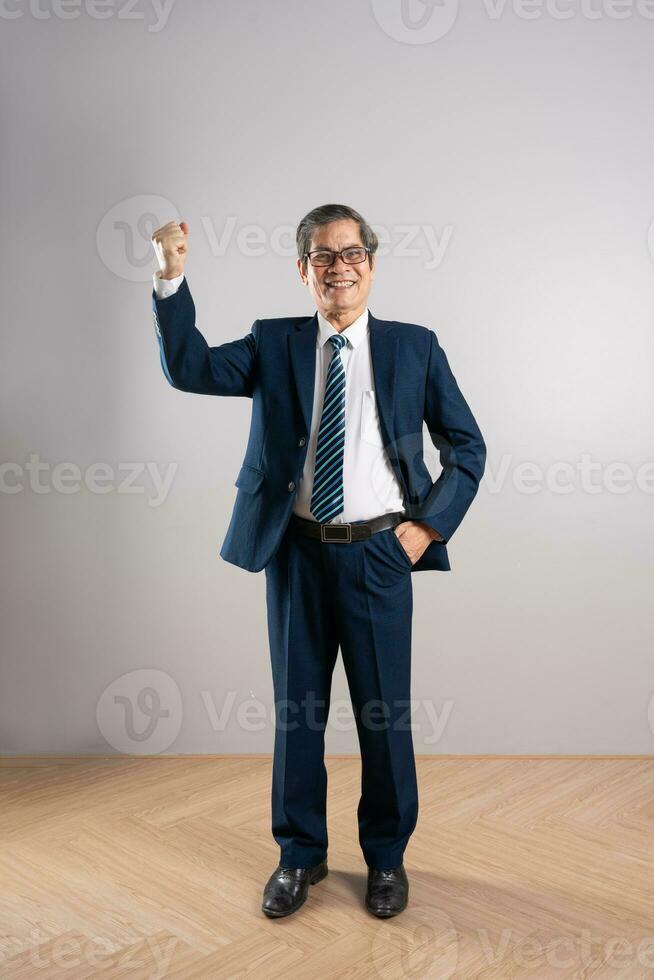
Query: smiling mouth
x,y
341,284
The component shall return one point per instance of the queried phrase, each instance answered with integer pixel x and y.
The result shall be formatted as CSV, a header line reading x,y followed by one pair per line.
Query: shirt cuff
x,y
165,287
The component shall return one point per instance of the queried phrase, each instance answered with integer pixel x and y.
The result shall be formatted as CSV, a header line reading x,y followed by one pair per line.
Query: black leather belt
x,y
346,532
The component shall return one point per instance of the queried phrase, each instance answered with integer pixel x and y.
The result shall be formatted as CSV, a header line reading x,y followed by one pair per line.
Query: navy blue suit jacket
x,y
274,365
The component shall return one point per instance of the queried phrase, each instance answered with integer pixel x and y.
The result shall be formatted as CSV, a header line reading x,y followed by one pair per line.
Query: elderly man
x,y
336,503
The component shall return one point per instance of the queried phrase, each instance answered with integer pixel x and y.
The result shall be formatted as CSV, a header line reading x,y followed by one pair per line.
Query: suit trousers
x,y
357,596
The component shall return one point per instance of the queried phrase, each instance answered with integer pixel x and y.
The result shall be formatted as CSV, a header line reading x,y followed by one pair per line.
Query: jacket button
x,y
291,486
301,441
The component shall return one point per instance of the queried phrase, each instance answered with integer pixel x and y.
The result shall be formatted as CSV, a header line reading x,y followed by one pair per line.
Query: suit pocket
x,y
399,546
249,478
370,428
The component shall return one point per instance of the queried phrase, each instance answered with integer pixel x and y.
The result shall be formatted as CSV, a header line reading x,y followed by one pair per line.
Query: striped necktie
x,y
327,492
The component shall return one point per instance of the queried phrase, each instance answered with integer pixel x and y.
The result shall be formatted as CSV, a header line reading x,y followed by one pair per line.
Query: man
x,y
335,502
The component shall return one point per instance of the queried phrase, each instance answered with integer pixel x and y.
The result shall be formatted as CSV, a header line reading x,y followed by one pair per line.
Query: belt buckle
x,y
336,527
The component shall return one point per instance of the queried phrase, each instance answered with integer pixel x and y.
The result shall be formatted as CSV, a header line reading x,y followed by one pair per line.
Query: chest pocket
x,y
370,428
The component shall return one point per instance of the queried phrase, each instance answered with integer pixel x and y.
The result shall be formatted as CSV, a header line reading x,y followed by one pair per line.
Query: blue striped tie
x,y
327,492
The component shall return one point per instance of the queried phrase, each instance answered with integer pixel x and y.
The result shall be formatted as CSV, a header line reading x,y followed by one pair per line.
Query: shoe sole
x,y
313,880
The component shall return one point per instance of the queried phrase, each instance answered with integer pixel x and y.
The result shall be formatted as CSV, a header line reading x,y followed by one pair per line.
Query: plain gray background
x,y
519,141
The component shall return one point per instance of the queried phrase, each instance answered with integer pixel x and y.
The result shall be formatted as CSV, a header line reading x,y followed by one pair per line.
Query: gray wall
x,y
506,152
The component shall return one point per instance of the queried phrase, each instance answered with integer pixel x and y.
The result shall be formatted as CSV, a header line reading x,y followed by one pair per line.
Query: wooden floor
x,y
147,868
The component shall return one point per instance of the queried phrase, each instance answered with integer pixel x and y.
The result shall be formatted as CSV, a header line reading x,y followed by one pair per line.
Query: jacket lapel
x,y
383,353
302,345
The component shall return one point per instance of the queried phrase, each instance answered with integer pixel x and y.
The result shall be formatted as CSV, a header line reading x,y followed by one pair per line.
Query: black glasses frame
x,y
335,255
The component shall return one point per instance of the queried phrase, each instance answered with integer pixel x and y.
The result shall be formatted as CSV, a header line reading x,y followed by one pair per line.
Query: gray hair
x,y
324,215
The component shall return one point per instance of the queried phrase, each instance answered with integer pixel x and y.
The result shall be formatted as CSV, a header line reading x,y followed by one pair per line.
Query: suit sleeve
x,y
462,450
189,363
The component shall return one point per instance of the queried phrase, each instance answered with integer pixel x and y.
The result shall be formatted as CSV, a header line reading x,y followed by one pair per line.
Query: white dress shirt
x,y
370,486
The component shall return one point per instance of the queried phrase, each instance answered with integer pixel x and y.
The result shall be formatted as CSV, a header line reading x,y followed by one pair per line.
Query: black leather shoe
x,y
287,888
387,892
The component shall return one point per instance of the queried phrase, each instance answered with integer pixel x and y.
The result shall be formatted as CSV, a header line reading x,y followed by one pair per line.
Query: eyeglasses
x,y
325,256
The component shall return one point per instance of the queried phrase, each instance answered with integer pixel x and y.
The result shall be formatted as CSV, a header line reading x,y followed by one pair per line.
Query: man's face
x,y
338,288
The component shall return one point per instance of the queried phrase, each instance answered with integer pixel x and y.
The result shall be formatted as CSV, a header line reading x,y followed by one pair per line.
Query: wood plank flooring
x,y
520,867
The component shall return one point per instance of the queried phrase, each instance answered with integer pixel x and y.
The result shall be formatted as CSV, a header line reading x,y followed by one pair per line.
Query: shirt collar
x,y
355,333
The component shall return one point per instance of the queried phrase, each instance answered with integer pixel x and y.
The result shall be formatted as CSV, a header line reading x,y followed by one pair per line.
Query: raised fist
x,y
170,244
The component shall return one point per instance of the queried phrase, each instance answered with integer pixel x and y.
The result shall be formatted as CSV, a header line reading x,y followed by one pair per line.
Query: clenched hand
x,y
170,243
